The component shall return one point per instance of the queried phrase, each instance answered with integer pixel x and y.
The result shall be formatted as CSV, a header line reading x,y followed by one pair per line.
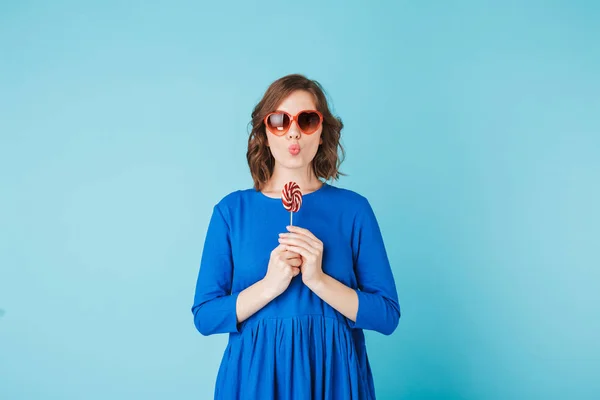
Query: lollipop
x,y
291,197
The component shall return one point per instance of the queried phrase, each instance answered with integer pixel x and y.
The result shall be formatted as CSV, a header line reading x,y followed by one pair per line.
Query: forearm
x,y
252,299
339,296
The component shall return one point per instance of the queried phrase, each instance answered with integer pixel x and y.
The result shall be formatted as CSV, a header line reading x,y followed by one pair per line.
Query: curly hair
x,y
326,162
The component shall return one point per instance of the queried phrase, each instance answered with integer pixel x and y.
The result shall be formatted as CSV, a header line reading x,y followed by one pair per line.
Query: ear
x,y
320,140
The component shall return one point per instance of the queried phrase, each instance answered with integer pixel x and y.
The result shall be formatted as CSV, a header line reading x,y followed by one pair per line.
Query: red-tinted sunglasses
x,y
279,122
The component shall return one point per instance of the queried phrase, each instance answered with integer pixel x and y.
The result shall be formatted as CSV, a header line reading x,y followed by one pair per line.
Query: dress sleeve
x,y
214,305
378,306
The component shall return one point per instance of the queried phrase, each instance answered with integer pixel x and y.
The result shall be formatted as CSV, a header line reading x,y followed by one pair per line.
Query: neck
x,y
304,177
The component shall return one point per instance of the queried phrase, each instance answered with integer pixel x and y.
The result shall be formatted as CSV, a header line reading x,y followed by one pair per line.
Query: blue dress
x,y
297,346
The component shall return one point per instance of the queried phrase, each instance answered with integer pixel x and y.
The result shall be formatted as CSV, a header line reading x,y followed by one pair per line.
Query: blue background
x,y
472,127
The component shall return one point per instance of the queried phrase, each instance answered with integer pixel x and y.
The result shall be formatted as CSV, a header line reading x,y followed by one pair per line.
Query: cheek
x,y
276,147
273,143
316,141
319,138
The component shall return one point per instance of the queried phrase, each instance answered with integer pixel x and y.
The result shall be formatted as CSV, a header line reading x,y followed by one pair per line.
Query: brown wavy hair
x,y
326,162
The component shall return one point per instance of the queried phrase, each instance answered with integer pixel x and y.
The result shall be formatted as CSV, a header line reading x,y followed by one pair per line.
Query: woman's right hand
x,y
283,266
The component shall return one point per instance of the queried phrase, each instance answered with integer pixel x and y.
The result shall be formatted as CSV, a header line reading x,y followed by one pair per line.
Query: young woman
x,y
294,299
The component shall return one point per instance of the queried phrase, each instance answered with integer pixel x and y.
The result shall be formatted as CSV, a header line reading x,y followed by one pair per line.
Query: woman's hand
x,y
303,242
283,266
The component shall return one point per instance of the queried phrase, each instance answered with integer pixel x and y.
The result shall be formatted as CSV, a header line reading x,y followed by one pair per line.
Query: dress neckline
x,y
313,193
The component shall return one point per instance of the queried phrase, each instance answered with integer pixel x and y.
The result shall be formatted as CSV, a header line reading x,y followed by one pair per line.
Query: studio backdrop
x,y
473,128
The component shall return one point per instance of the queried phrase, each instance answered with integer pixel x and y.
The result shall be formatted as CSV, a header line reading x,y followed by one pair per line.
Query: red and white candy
x,y
291,197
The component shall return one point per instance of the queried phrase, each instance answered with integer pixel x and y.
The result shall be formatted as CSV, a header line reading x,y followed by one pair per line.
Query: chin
x,y
294,165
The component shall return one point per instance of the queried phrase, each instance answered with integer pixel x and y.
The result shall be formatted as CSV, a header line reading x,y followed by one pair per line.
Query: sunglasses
x,y
279,122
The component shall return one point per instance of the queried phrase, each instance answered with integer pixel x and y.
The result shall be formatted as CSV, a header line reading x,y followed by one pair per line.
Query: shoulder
x,y
232,200
355,207
349,199
224,208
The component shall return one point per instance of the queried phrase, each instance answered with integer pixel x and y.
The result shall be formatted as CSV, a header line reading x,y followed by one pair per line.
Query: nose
x,y
293,132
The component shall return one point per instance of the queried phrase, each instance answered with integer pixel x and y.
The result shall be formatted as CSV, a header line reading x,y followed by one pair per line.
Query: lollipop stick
x,y
291,216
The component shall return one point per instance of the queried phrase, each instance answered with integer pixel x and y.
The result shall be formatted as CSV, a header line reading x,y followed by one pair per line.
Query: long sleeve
x,y
214,305
378,306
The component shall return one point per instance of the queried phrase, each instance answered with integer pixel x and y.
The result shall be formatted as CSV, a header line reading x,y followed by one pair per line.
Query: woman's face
x,y
285,148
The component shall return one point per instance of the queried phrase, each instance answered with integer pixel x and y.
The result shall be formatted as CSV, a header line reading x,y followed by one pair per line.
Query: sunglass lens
x,y
278,122
309,121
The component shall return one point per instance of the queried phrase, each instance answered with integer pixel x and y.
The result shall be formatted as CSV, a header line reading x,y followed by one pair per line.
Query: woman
x,y
294,299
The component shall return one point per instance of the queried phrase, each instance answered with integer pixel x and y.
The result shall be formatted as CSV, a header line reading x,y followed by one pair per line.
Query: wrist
x,y
316,282
267,292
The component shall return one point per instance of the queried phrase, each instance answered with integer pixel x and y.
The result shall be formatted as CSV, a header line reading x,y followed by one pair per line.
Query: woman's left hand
x,y
310,248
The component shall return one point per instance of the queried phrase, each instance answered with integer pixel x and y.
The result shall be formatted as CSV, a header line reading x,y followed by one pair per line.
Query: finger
x,y
278,250
291,270
288,255
300,250
298,243
295,262
303,231
295,271
314,243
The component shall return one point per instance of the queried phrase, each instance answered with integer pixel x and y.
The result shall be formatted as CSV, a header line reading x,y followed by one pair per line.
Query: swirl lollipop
x,y
291,197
